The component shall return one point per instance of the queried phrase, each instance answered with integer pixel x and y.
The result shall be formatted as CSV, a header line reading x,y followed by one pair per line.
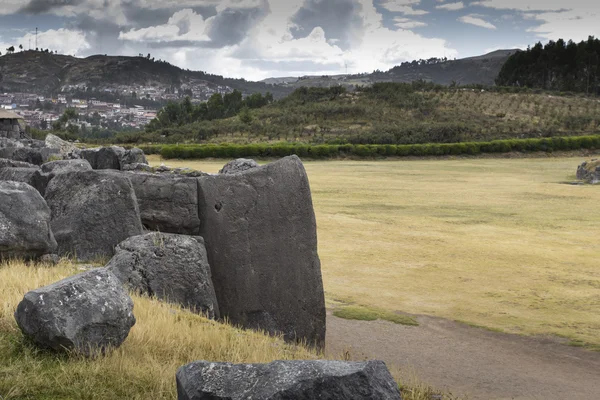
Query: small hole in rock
x,y
218,206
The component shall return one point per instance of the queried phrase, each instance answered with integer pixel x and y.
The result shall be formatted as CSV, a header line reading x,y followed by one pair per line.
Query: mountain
x,y
47,73
466,71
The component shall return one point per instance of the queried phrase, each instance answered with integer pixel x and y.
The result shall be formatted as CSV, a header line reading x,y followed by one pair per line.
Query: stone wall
x,y
10,128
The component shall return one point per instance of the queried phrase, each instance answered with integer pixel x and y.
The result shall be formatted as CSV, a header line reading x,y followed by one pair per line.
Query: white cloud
x,y
575,19
184,25
64,41
406,23
452,6
476,20
405,7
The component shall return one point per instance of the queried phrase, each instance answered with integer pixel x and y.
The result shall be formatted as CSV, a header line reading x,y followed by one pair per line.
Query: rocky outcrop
x,y
60,167
589,171
24,222
298,380
171,267
65,149
31,155
239,165
31,176
104,157
6,163
167,203
261,238
113,157
89,312
92,212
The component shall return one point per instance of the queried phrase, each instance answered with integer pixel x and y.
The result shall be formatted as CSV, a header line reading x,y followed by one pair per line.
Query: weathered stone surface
x,y
168,203
59,167
284,380
6,163
65,149
137,167
36,156
171,267
133,156
51,259
239,165
261,239
24,222
104,157
31,176
86,313
92,212
589,171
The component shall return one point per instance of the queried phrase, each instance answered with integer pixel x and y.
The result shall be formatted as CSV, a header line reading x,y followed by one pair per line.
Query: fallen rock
x,y
261,239
65,149
92,212
31,176
104,157
59,167
87,313
36,156
298,380
167,203
239,165
589,171
171,267
6,163
24,222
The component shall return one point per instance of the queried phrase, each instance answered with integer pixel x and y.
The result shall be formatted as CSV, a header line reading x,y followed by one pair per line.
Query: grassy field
x,y
500,243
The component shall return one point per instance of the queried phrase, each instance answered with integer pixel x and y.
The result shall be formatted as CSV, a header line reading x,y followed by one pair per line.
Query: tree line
x,y
560,65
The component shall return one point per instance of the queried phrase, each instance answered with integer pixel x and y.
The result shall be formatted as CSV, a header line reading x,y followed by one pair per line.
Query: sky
x,y
258,39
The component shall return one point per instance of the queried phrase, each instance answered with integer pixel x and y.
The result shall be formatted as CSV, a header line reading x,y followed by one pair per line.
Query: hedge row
x,y
198,151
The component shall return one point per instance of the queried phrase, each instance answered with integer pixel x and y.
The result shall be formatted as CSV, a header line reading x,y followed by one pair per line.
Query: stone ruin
x,y
240,245
12,125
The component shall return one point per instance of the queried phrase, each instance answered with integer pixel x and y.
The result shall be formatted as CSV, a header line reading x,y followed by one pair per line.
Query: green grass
x,y
369,314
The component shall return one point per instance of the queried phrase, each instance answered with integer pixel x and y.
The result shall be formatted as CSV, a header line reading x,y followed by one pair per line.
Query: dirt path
x,y
472,362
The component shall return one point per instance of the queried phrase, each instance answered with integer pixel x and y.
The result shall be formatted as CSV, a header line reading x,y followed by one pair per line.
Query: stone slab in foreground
x,y
287,380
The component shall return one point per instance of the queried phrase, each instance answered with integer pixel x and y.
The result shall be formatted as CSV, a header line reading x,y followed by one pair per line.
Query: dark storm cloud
x,y
231,25
339,19
143,17
43,6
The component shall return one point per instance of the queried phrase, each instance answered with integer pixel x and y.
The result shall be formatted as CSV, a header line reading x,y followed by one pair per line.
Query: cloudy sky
x,y
256,39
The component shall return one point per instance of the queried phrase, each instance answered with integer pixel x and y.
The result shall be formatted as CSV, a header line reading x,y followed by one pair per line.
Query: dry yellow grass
x,y
500,243
163,339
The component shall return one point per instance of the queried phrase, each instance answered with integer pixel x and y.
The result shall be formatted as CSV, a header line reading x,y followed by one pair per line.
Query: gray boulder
x,y
92,212
137,167
133,156
286,380
261,239
24,222
167,203
59,167
104,157
171,267
87,313
36,156
6,163
65,149
31,176
589,171
239,165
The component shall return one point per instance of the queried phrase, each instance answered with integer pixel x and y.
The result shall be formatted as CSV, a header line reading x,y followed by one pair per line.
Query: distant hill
x,y
46,73
467,71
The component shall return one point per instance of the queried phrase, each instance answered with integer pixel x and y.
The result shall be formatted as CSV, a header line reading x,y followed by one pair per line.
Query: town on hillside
x,y
116,108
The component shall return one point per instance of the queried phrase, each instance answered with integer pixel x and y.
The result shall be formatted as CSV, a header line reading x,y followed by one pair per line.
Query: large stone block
x,y
31,176
171,267
286,380
260,232
92,212
24,222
